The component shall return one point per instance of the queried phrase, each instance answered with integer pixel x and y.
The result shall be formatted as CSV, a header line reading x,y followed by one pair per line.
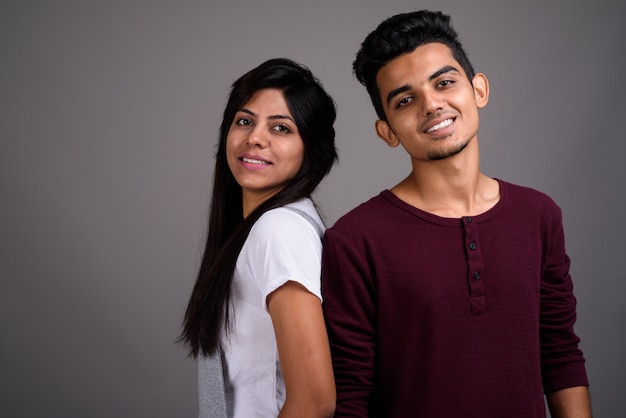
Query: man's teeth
x,y
251,161
440,125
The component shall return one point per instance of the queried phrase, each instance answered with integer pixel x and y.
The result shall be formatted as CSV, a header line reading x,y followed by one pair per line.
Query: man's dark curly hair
x,y
401,34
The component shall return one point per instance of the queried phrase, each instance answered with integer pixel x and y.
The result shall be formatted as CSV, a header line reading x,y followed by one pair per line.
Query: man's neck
x,y
449,188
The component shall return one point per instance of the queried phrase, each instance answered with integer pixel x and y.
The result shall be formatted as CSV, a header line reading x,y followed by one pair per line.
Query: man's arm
x,y
570,403
563,370
349,313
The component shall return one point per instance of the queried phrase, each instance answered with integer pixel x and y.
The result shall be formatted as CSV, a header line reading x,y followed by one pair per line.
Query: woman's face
x,y
264,149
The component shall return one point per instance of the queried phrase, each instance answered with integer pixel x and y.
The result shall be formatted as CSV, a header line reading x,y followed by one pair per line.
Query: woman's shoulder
x,y
296,216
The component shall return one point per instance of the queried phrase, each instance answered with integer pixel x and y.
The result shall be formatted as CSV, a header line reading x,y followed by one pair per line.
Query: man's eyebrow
x,y
443,70
393,93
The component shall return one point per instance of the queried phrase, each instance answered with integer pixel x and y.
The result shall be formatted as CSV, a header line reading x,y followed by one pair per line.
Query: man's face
x,y
431,106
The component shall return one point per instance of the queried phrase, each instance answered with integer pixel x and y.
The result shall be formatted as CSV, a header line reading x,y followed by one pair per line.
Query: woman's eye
x,y
243,122
282,129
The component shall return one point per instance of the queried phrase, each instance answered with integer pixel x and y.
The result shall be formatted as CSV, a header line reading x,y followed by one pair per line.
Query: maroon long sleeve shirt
x,y
440,317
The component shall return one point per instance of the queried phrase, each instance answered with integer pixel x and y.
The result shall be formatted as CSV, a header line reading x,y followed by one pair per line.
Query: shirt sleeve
x,y
562,361
349,310
284,246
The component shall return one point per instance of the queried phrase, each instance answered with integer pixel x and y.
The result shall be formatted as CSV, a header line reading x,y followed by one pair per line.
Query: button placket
x,y
474,266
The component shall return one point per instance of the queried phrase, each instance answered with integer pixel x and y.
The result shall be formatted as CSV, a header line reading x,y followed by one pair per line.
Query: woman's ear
x,y
384,132
481,90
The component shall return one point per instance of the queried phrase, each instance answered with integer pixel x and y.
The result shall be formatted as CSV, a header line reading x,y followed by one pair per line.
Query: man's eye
x,y
404,101
446,83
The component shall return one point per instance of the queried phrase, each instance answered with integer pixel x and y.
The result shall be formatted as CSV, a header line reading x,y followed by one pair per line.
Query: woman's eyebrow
x,y
251,113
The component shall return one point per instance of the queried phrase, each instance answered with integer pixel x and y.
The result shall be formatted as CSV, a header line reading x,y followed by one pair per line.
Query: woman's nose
x,y
258,137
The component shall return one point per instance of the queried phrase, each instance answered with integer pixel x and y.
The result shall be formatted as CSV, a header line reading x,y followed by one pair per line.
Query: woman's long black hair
x,y
208,312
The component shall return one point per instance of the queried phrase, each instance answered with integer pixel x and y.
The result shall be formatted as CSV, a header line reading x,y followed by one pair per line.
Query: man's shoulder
x,y
518,192
527,198
364,212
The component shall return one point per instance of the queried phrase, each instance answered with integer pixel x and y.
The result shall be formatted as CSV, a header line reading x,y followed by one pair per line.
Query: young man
x,y
448,295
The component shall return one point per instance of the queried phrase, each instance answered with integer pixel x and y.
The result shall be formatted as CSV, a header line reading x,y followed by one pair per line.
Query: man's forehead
x,y
424,62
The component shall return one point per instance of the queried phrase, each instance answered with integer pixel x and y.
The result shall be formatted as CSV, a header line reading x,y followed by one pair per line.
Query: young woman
x,y
256,304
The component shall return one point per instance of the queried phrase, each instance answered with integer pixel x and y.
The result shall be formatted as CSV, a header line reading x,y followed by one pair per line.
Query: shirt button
x,y
472,246
476,275
468,219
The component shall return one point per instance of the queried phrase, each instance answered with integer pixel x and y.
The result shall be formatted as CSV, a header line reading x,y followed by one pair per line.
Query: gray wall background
x,y
109,113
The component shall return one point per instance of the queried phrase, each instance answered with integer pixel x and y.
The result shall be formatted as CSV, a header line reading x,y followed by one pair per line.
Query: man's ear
x,y
481,90
384,131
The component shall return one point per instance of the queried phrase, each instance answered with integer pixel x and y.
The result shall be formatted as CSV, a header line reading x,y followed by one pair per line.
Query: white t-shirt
x,y
282,246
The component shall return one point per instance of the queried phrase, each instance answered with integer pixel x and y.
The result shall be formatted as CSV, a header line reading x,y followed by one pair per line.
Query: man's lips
x,y
440,125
